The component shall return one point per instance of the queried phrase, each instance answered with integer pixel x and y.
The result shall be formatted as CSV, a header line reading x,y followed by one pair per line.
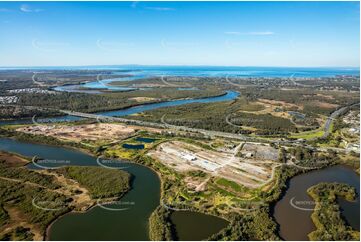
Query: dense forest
x,y
327,215
108,101
160,225
251,226
20,197
38,197
17,112
25,175
100,182
213,116
312,101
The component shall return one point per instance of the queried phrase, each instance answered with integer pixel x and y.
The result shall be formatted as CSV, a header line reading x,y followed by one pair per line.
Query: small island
x,y
327,215
33,199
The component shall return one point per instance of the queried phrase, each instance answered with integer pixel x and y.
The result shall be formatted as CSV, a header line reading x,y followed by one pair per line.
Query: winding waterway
x,y
99,223
131,224
115,224
293,211
141,72
228,96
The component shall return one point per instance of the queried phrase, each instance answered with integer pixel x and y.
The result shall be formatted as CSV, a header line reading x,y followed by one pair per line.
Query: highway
x,y
160,125
213,134
210,133
338,112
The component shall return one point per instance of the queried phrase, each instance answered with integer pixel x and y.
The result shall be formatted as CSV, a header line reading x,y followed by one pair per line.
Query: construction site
x,y
252,167
78,133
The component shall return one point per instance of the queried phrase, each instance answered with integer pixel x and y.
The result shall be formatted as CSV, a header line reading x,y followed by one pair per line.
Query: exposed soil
x,y
252,171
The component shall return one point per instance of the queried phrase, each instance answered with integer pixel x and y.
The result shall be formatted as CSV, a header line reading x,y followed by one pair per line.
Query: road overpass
x,y
209,133
337,113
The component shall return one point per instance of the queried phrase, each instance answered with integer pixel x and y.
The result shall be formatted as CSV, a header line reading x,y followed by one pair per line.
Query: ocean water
x,y
140,71
212,71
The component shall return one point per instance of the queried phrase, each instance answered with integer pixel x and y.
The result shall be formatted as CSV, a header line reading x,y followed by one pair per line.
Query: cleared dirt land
x,y
77,133
12,159
143,99
252,171
271,105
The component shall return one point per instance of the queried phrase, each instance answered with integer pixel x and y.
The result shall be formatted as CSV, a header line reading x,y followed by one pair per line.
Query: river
x,y
141,72
230,95
102,224
295,223
99,223
131,224
116,224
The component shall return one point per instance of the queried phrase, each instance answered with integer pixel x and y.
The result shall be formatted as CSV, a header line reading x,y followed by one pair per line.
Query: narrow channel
x,y
230,95
296,224
102,224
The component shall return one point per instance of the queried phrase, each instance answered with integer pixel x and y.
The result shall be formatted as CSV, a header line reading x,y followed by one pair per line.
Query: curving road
x,y
209,133
337,113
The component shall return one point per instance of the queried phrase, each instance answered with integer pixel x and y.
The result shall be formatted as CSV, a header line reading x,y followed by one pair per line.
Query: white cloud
x,y
160,8
250,33
27,9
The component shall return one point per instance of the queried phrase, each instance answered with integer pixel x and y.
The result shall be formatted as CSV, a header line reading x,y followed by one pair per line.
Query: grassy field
x,y
308,135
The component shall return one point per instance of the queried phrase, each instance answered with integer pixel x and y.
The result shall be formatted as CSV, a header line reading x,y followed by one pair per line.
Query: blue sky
x,y
180,33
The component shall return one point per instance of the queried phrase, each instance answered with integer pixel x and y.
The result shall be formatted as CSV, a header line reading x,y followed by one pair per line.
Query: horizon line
x,y
174,65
